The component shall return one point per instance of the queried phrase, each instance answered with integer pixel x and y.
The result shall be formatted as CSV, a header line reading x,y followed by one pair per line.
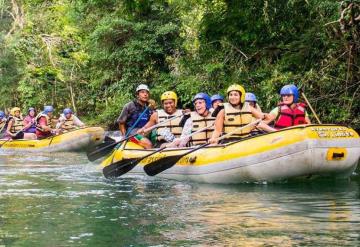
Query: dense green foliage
x,y
90,55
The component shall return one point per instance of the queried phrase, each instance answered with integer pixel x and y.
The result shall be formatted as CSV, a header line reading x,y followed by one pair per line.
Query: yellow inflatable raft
x,y
311,150
71,141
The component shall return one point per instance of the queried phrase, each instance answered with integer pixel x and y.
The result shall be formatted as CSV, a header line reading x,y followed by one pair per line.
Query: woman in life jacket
x,y
237,113
289,111
197,120
15,127
68,121
30,121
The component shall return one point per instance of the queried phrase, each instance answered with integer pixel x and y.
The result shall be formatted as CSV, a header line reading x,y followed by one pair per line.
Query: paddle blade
x,y
100,151
162,164
119,168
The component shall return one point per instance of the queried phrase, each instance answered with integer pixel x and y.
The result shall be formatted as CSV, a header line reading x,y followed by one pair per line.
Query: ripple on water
x,y
66,199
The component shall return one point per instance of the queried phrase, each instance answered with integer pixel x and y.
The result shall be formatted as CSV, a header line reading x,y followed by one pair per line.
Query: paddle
x,y
98,153
10,138
167,162
123,166
313,111
136,122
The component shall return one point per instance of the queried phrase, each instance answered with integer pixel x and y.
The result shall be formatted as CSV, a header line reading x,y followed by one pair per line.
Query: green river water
x,y
63,200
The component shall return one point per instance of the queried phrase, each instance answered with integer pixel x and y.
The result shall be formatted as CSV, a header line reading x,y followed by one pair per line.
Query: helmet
x,y
205,97
67,111
250,97
2,114
237,87
169,95
142,87
216,97
290,89
48,108
13,110
31,109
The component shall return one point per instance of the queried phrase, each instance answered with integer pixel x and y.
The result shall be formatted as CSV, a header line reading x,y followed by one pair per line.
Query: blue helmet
x,y
205,97
67,111
290,89
250,97
31,109
48,108
217,97
2,114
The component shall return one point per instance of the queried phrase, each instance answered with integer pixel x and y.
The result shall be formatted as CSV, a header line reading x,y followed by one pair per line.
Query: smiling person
x,y
289,111
237,113
199,119
169,130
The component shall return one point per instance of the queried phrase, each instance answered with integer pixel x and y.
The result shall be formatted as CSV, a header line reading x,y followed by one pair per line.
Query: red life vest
x,y
290,116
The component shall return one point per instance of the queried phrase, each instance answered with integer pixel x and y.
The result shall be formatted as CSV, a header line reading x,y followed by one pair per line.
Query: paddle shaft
x,y
312,110
158,166
136,122
123,166
223,136
94,155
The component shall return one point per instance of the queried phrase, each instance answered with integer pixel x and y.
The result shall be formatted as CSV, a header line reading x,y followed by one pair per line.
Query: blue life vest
x,y
135,115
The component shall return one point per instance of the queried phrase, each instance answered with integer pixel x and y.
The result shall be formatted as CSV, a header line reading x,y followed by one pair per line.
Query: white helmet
x,y
142,87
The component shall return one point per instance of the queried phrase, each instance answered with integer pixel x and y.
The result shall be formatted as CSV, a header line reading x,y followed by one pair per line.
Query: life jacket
x,y
235,118
69,123
200,122
32,128
173,125
136,114
17,125
290,116
3,123
48,122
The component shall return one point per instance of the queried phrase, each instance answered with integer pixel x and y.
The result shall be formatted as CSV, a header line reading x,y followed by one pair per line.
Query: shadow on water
x,y
63,200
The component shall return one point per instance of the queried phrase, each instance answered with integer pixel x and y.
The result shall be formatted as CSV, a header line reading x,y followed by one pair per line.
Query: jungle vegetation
x,y
91,54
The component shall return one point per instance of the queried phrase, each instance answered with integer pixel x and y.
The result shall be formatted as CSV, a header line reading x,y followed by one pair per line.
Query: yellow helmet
x,y
13,110
237,87
169,95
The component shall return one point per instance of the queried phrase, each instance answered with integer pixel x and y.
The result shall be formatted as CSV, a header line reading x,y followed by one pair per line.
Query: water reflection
x,y
62,200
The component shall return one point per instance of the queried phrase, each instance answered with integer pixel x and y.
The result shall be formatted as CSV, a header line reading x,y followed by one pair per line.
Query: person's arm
x,y
272,115
27,124
262,125
219,125
122,119
183,140
10,124
60,123
152,121
77,122
42,123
